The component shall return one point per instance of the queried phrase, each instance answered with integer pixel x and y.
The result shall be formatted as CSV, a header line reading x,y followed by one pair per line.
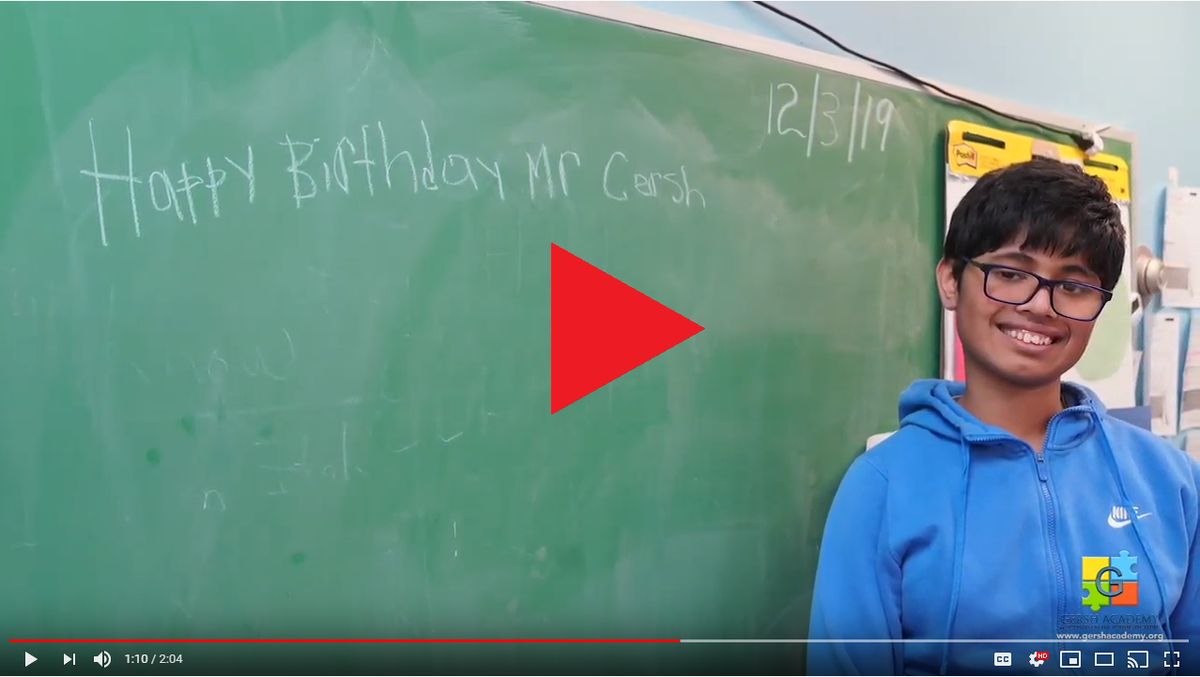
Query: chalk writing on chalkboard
x,y
826,118
365,166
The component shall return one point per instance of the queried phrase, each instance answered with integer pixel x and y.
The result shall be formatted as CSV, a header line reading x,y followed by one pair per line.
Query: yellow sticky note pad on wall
x,y
974,150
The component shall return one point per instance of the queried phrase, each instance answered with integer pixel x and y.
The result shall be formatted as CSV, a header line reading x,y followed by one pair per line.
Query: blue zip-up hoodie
x,y
952,528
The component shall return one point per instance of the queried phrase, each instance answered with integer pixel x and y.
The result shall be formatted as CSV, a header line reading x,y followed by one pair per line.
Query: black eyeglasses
x,y
1071,299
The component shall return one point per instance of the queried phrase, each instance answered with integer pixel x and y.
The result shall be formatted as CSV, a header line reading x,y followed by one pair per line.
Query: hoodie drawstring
x,y
960,534
1116,473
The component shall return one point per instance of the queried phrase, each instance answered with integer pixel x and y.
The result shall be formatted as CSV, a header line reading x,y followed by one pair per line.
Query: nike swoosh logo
x,y
1117,524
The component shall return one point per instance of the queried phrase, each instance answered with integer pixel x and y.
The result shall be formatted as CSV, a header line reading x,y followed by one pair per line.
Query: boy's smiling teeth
x,y
1028,337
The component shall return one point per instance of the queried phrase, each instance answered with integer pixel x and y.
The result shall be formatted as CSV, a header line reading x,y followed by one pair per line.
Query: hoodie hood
x,y
932,404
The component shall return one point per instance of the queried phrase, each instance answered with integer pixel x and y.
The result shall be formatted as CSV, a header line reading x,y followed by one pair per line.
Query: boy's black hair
x,y
1055,207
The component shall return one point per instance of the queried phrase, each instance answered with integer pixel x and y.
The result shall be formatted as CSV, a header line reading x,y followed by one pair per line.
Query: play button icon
x,y
602,328
29,659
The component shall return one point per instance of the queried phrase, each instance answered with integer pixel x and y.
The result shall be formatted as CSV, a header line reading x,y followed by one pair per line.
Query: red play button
x,y
601,328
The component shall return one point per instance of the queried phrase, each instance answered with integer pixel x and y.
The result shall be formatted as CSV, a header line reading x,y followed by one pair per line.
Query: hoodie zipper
x,y
1052,533
1051,527
1043,474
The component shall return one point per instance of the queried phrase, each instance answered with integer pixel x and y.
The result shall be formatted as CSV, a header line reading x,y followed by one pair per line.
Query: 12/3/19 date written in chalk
x,y
153,658
826,123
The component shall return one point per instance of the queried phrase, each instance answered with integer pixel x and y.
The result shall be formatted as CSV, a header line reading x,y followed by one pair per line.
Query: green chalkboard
x,y
274,300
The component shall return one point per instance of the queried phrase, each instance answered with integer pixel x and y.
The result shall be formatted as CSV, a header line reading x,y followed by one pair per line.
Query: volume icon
x,y
102,659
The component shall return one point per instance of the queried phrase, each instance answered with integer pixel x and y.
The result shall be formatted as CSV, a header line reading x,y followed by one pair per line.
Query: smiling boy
x,y
988,514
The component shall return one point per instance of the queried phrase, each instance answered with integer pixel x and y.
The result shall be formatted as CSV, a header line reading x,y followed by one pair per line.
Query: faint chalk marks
x,y
406,448
140,372
324,277
195,370
376,45
262,362
331,471
252,372
293,468
383,386
178,604
217,366
287,408
214,499
345,453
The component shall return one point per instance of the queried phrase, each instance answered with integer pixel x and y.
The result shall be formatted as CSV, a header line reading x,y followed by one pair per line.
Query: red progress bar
x,y
194,640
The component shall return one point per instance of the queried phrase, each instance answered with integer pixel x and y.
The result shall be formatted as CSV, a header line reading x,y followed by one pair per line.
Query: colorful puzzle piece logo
x,y
1110,581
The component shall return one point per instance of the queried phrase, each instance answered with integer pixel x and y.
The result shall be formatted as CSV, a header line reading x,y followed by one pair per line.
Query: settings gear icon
x,y
1037,658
